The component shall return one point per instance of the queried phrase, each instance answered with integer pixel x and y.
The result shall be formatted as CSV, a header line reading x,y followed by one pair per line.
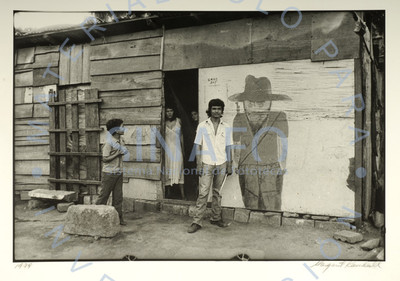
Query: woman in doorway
x,y
174,152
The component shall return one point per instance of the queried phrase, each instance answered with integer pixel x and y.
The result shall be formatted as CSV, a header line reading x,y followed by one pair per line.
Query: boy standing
x,y
112,173
214,162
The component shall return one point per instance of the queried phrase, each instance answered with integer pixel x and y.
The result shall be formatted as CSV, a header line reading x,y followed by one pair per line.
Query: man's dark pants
x,y
111,183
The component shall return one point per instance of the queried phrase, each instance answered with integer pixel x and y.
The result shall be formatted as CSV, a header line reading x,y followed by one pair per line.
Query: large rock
x,y
348,236
92,220
370,244
59,195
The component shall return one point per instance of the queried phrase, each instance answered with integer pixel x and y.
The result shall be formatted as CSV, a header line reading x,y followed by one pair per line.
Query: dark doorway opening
x,y
181,91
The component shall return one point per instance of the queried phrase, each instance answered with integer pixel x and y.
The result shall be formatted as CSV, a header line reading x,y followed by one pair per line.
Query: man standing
x,y
112,174
214,163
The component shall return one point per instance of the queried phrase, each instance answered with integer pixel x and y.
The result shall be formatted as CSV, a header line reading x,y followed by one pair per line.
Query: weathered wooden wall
x,y
126,71
31,123
258,40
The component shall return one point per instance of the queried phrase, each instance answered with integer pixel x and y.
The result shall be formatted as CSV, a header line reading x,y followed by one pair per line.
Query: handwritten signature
x,y
346,264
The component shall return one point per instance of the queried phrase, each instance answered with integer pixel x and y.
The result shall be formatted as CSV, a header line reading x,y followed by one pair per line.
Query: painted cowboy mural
x,y
262,133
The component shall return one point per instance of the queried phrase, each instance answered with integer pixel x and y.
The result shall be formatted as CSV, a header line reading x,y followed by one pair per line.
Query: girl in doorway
x,y
174,159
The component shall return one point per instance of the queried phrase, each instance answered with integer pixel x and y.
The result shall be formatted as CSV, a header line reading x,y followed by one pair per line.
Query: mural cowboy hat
x,y
257,90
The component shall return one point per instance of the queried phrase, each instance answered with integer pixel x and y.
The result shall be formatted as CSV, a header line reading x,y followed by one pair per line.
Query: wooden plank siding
x,y
31,122
227,43
126,71
272,41
130,98
128,37
127,81
75,70
124,65
338,27
134,48
133,116
258,40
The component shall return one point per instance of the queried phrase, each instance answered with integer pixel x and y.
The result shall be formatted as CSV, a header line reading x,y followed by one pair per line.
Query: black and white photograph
x,y
156,135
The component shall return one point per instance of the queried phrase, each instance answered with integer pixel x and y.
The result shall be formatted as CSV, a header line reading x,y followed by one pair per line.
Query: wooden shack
x,y
133,67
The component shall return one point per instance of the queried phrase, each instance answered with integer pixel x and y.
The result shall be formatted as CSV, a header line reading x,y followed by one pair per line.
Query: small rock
x,y
321,218
242,215
372,255
370,244
333,219
63,207
37,204
306,217
290,215
381,255
96,238
379,219
348,236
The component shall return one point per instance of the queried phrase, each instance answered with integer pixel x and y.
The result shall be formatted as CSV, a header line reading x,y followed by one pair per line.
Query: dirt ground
x,y
160,236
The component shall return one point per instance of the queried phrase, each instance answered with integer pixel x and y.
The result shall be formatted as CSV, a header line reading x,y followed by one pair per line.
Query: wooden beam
x,y
127,81
131,116
124,65
143,47
131,98
128,37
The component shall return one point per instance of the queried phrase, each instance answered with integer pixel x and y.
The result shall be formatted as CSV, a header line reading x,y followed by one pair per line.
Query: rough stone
x,y
330,225
370,244
181,210
297,222
228,214
290,215
139,205
381,255
152,206
333,219
63,207
37,204
320,218
273,219
192,209
348,236
306,217
92,220
373,254
241,215
127,204
59,195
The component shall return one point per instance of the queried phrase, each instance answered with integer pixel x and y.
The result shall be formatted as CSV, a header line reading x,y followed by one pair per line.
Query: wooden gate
x,y
75,145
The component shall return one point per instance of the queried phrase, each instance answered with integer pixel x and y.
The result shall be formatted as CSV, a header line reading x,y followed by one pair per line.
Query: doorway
x,y
181,91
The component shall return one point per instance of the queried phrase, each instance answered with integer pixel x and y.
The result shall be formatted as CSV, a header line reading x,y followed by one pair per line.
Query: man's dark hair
x,y
113,123
215,102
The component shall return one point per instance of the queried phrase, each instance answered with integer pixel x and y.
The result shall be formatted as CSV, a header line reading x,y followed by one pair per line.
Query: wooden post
x,y
63,138
75,139
358,160
53,139
92,139
367,148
